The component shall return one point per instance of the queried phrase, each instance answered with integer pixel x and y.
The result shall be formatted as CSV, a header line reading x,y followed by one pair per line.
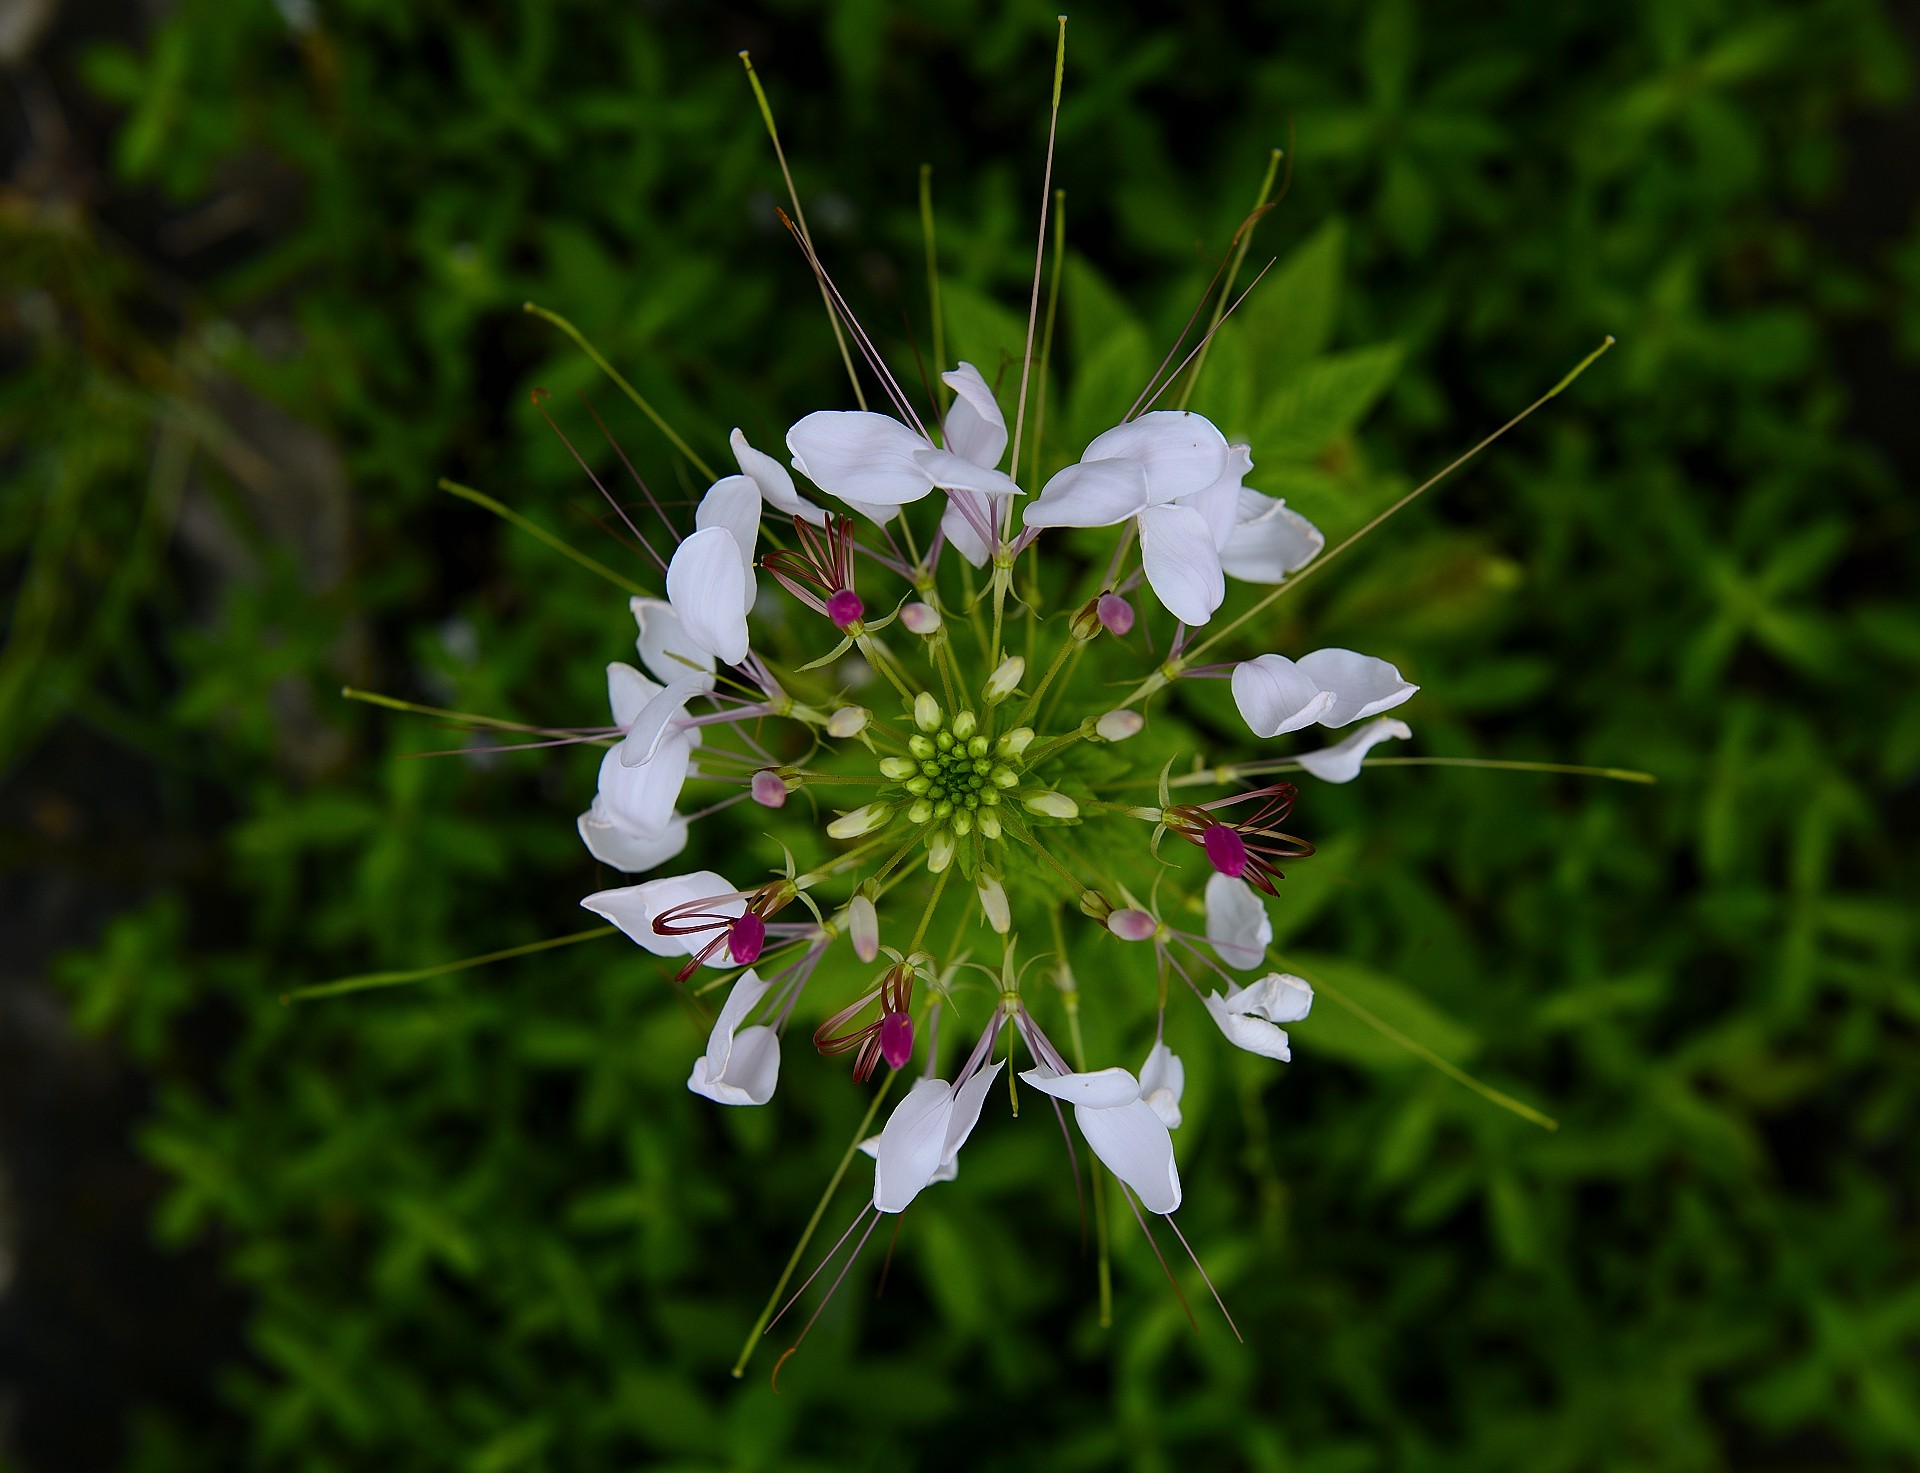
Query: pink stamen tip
x,y
896,1039
1226,850
746,938
845,608
1115,613
768,789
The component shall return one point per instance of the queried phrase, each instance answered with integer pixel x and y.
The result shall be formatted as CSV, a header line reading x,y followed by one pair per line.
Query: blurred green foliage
x,y
481,1222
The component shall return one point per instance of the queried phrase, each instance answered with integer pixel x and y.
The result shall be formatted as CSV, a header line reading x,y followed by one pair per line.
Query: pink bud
x,y
896,1039
746,938
1226,850
1132,925
864,924
1116,614
769,791
920,618
845,608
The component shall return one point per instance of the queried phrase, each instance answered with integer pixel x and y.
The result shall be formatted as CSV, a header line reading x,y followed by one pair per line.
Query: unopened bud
x,y
965,725
1051,804
963,821
1117,726
1132,925
921,618
939,850
898,768
1015,742
1095,905
993,900
863,925
1115,614
862,820
848,721
989,822
1000,684
920,810
769,789
926,712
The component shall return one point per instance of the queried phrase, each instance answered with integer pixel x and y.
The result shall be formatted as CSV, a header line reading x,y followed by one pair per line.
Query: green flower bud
x,y
926,712
898,767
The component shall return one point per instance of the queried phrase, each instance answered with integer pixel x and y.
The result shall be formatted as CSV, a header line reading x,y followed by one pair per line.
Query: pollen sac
x,y
1226,850
896,1039
845,608
746,939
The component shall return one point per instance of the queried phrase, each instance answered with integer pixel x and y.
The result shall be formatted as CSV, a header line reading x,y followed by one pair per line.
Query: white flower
x,y
635,907
665,648
632,825
1267,541
1124,1130
1163,1079
1237,925
1248,1015
707,585
1332,687
1340,763
876,464
739,1067
976,436
773,480
1157,469
922,1138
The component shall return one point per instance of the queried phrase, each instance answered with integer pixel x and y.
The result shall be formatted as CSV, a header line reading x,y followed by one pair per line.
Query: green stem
x,y
533,529
813,1224
371,980
626,388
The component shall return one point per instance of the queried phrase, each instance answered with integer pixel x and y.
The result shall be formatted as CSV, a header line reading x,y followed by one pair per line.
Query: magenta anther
x,y
845,608
746,938
896,1039
1226,850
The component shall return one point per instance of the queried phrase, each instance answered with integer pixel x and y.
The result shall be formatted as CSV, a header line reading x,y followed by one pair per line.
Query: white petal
x,y
1094,493
739,1067
774,481
656,721
752,1072
1238,928
1361,685
956,472
1102,1089
740,1001
874,512
967,1101
1279,997
1220,502
664,648
961,532
628,692
1180,451
1181,563
707,588
733,502
624,848
1163,1079
1134,1143
859,456
975,427
1268,541
641,799
634,907
912,1144
1340,763
1255,1035
1275,695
